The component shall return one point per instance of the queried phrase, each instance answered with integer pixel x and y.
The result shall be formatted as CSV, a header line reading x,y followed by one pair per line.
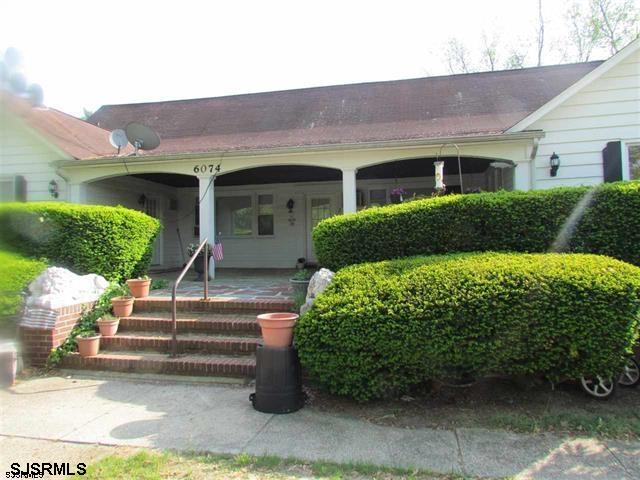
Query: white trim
x,y
305,149
576,87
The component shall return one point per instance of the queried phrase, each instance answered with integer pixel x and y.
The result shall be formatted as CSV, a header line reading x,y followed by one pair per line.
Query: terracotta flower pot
x,y
122,306
138,287
88,346
277,328
108,328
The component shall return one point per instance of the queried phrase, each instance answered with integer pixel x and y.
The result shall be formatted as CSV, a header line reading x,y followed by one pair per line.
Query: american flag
x,y
218,255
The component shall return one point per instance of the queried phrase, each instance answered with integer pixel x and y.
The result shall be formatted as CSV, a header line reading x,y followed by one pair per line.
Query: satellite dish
x,y
141,136
118,138
35,94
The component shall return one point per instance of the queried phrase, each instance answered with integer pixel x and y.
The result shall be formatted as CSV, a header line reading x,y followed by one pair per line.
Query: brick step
x,y
161,342
213,305
192,322
147,362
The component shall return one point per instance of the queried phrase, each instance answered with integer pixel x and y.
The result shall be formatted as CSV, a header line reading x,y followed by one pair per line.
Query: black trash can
x,y
278,380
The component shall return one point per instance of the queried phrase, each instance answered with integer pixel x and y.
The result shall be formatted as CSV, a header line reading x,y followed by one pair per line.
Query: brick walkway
x,y
232,283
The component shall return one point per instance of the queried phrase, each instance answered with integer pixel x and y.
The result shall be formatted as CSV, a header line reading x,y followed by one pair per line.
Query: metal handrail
x,y
174,319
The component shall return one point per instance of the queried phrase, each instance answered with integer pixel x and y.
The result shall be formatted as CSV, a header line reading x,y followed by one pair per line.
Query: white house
x,y
289,159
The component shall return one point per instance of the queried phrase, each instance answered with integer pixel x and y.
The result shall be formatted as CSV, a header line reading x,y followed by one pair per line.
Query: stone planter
x,y
139,287
122,306
300,286
88,346
108,328
198,266
277,328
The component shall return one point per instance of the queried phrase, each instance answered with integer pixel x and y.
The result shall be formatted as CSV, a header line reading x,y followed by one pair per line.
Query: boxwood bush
x,y
501,221
381,328
115,242
16,272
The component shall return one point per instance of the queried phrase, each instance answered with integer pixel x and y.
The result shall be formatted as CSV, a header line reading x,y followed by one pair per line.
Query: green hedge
x,y
111,241
16,272
501,221
381,328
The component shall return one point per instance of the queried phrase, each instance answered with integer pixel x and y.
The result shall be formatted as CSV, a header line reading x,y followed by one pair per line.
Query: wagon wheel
x,y
630,376
599,387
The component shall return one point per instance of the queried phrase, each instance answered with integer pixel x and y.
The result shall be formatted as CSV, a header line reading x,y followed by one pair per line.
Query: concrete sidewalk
x,y
220,419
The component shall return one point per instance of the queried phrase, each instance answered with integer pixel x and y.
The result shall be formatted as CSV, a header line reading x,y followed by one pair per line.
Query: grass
x,y
147,465
602,425
16,271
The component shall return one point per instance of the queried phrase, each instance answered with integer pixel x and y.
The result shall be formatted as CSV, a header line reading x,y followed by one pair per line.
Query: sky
x,y
88,53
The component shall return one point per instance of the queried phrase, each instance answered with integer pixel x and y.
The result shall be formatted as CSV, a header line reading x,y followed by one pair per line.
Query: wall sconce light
x,y
53,189
142,199
554,163
290,205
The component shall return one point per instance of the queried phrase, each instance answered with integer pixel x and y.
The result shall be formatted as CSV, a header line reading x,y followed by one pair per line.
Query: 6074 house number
x,y
204,168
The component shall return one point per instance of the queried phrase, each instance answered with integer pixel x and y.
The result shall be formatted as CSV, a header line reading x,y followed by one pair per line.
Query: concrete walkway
x,y
220,419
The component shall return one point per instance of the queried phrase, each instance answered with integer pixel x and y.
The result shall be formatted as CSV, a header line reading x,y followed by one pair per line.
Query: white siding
x,y
23,153
578,130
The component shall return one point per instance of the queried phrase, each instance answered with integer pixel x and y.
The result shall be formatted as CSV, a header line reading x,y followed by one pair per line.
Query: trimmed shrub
x,y
501,221
381,328
16,272
110,241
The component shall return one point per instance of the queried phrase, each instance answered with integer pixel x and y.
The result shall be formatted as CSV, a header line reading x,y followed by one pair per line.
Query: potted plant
x,y
277,328
122,305
139,287
198,264
300,263
300,281
108,325
88,343
398,194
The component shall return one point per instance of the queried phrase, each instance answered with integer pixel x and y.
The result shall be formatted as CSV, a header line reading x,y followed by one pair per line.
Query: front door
x,y
318,208
152,208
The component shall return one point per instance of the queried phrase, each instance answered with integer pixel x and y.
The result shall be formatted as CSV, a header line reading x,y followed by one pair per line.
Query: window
x,y
265,214
634,162
234,216
377,197
13,189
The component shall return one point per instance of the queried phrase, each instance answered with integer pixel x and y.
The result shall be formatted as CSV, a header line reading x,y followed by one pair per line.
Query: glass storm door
x,y
152,209
318,208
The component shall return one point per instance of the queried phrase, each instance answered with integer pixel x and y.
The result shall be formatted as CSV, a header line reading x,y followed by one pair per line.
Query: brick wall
x,y
41,330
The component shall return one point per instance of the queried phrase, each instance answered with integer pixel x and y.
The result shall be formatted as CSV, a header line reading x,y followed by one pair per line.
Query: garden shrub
x,y
500,221
16,272
381,328
111,241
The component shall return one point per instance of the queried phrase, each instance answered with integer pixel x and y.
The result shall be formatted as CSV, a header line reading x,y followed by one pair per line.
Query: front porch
x,y
240,283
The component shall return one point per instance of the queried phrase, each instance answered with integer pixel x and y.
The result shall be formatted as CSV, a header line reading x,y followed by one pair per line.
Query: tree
x,y
583,32
617,22
489,52
457,56
540,35
516,59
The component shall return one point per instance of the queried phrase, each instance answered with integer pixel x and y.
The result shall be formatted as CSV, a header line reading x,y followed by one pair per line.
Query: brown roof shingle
x,y
432,107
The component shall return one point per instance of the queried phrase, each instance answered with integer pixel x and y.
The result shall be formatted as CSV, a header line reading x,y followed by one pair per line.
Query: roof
x,y
434,107
74,137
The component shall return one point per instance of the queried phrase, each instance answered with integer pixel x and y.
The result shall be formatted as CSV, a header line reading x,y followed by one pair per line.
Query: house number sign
x,y
204,168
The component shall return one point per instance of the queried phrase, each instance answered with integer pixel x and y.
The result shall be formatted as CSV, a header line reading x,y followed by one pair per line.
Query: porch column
x,y
522,176
349,202
207,209
77,192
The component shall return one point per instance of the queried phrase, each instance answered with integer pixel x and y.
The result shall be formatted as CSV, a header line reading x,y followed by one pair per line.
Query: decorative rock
x,y
320,280
58,287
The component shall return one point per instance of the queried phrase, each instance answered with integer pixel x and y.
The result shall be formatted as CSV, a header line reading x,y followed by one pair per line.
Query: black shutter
x,y
612,162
